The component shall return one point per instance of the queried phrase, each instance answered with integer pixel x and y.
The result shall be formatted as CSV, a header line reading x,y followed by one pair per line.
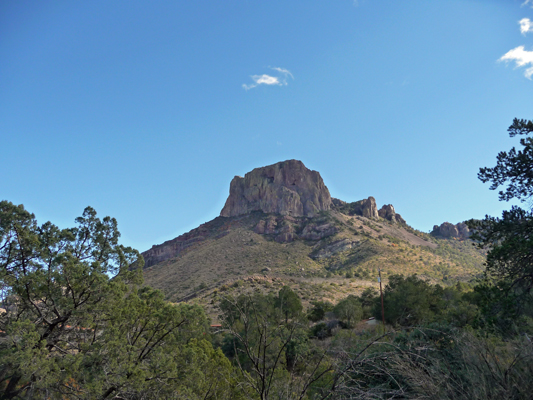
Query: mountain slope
x,y
228,249
280,226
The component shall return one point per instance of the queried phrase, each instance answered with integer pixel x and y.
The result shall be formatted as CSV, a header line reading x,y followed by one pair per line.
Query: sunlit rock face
x,y
448,230
388,212
286,188
369,209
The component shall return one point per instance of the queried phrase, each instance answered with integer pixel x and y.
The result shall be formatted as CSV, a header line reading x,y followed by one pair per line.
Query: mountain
x,y
281,226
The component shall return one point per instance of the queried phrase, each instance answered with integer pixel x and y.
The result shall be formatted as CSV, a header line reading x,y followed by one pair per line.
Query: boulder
x,y
260,227
286,188
271,225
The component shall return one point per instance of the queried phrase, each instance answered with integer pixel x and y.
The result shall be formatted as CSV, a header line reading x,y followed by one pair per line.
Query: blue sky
x,y
146,110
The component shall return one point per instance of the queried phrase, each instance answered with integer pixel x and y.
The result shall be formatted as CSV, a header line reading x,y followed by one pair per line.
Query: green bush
x,y
349,311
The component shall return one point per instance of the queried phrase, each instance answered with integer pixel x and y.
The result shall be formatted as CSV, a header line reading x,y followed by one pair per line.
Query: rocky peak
x,y
369,209
387,212
286,188
448,230
366,208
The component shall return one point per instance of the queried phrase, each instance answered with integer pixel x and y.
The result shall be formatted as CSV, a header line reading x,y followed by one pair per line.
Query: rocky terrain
x,y
367,208
447,230
280,226
285,188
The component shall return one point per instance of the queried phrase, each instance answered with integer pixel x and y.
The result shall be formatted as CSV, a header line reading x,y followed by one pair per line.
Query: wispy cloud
x,y
285,72
526,25
522,58
525,3
278,79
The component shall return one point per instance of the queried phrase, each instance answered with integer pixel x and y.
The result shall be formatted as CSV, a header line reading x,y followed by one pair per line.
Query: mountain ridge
x,y
339,249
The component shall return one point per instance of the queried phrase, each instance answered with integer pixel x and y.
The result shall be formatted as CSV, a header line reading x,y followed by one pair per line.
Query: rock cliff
x,y
369,209
448,230
366,208
285,228
286,188
387,212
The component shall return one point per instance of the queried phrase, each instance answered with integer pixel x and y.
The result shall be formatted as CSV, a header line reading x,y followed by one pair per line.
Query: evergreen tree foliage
x,y
349,311
409,301
272,352
513,168
69,331
288,303
368,299
510,238
319,310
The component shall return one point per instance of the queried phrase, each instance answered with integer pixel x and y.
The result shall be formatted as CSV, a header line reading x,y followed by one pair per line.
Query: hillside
x,y
322,253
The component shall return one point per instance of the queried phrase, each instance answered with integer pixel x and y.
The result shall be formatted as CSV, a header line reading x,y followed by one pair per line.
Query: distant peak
x,y
447,230
287,188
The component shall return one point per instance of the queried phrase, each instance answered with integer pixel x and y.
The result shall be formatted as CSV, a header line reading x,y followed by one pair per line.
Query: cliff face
x,y
447,230
268,225
389,213
173,248
286,188
366,208
289,194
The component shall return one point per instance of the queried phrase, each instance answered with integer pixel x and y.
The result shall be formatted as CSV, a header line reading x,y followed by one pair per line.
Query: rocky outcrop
x,y
464,231
337,203
266,227
448,230
285,229
169,249
214,229
335,248
365,208
317,232
387,212
369,208
286,188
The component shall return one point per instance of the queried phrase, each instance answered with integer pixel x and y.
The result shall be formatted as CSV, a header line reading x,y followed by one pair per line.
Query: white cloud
x,y
262,80
279,80
285,72
526,25
525,3
522,58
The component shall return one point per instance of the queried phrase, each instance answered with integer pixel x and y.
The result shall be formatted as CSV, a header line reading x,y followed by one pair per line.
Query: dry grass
x,y
233,258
